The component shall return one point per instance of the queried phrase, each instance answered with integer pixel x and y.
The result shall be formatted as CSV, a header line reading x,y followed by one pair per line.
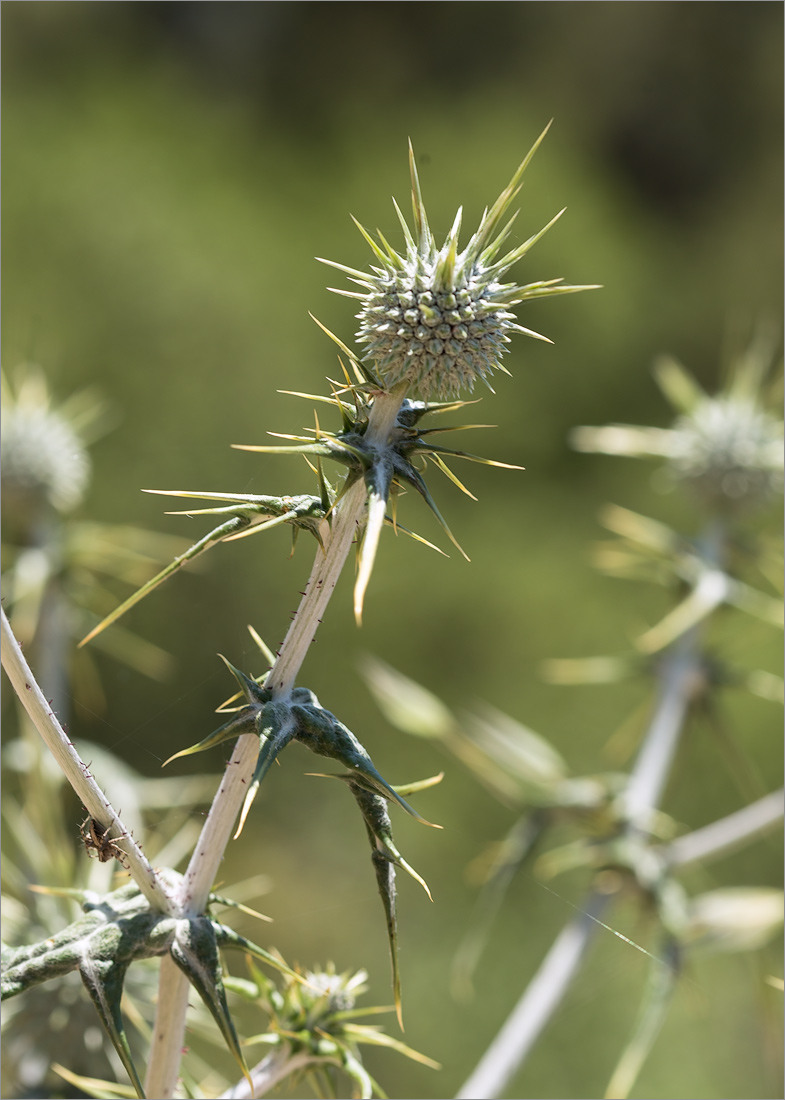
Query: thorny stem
x,y
678,676
347,520
75,770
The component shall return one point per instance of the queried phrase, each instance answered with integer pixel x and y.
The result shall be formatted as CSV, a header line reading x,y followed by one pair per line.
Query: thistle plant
x,y
433,321
725,452
56,562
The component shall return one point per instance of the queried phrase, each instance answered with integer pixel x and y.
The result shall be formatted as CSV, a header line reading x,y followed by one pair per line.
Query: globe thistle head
x,y
727,448
44,460
326,992
439,318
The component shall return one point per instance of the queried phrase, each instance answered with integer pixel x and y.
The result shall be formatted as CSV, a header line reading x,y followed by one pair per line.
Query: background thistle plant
x,y
624,841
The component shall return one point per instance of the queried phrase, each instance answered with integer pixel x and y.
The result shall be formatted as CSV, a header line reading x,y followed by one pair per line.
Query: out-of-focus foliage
x,y
169,173
725,452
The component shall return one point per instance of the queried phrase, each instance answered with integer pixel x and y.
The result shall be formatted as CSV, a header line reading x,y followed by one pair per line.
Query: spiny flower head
x,y
44,460
439,318
727,447
313,1003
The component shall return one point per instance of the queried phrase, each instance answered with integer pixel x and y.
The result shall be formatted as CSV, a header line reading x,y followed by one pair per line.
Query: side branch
x,y
74,768
729,833
540,1000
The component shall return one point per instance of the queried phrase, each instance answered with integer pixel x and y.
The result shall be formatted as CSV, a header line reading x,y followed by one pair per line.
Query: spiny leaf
x,y
364,1033
103,979
237,725
195,951
94,1086
227,937
325,735
385,881
377,820
453,477
409,474
230,527
434,448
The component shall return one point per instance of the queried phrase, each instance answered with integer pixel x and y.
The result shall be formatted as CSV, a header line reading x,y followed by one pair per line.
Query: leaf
x,y
518,749
276,730
363,1033
325,735
710,591
677,384
103,979
239,724
195,951
651,1016
406,704
230,527
93,1086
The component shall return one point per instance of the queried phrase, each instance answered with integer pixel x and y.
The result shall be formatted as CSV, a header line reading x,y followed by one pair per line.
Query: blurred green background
x,y
170,171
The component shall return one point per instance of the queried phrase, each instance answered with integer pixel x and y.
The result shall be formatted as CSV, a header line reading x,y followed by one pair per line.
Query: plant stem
x,y
542,996
644,790
168,1039
347,520
75,770
679,675
728,833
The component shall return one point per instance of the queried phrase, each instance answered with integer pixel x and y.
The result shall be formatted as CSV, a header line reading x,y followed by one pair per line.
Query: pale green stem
x,y
75,770
641,797
327,568
727,834
652,768
347,520
540,1000
168,1038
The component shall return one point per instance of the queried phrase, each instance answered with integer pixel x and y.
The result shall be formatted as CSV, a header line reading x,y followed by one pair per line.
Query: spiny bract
x,y
438,318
